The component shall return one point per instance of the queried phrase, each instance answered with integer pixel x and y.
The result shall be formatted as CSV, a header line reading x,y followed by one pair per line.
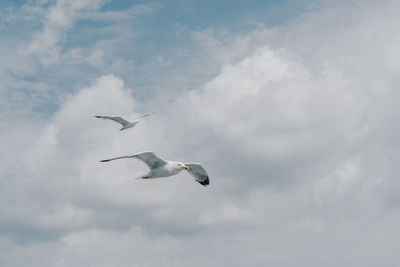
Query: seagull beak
x,y
185,167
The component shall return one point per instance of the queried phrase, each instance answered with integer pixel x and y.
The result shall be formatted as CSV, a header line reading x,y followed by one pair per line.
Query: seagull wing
x,y
147,157
123,157
199,173
144,115
116,119
151,159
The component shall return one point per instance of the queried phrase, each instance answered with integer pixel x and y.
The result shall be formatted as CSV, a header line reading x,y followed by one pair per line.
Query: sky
x,y
291,107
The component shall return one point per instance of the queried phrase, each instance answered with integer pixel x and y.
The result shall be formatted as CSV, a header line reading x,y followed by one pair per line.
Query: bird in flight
x,y
164,168
125,124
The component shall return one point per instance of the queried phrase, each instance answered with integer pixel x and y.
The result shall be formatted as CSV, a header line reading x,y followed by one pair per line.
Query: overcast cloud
x,y
296,124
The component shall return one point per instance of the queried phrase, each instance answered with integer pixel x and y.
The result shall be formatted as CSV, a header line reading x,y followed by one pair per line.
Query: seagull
x,y
164,168
125,124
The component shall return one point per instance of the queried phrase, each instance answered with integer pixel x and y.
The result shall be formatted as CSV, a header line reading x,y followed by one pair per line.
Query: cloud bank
x,y
297,131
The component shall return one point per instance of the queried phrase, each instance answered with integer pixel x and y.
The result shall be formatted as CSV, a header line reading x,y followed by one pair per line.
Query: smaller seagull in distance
x,y
164,168
125,124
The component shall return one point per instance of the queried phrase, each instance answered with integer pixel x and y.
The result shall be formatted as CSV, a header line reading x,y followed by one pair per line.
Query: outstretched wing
x,y
144,115
199,173
151,159
116,119
147,157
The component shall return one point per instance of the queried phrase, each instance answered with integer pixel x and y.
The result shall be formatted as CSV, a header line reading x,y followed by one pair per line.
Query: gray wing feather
x,y
147,157
151,159
106,160
116,119
145,114
199,173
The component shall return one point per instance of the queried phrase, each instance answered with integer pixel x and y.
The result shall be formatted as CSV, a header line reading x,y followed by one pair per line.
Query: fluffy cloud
x,y
298,135
59,18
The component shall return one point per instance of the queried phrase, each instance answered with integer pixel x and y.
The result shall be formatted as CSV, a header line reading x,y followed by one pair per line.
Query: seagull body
x,y
164,168
125,124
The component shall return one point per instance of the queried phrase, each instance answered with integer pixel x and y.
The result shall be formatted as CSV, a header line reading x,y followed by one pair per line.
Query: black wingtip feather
x,y
205,182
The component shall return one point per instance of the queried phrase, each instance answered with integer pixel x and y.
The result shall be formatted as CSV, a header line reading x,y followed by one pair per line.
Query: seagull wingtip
x,y
205,182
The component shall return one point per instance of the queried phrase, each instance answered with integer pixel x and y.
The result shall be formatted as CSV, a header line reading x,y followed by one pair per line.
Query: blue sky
x,y
290,106
154,30
204,14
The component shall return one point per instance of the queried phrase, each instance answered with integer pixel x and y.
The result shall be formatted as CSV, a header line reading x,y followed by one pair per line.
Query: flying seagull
x,y
125,124
164,168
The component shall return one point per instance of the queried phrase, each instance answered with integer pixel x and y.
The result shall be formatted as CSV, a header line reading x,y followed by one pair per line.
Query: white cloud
x,y
46,52
59,18
298,134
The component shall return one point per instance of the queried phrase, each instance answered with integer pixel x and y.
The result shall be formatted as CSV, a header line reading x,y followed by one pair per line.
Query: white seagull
x,y
125,124
164,168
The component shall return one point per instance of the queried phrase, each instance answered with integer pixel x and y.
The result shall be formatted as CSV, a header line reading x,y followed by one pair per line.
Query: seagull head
x,y
183,166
